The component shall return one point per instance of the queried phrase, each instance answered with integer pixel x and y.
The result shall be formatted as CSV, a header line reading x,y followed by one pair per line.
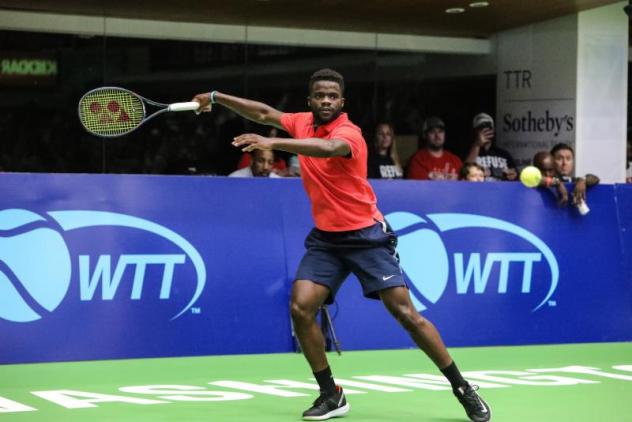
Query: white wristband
x,y
212,96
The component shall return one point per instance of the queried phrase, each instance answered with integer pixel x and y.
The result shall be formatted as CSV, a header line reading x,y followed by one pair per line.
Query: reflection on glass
x,y
46,74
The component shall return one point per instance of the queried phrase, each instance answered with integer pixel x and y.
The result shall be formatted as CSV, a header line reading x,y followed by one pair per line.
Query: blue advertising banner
x,y
96,267
109,266
496,263
623,197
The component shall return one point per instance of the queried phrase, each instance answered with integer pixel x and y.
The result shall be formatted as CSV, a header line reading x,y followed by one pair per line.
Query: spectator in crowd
x,y
279,166
472,172
564,163
543,160
261,165
294,167
383,162
498,163
432,161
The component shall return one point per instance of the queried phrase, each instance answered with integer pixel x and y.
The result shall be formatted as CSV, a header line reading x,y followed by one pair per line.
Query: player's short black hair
x,y
326,75
561,146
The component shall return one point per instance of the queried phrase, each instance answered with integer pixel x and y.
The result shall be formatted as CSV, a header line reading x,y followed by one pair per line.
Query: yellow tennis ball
x,y
530,176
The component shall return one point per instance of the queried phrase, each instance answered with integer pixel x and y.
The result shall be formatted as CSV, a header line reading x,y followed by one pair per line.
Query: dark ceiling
x,y
422,17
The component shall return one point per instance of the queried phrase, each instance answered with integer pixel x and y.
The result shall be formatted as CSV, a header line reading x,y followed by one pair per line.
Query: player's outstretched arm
x,y
312,147
252,110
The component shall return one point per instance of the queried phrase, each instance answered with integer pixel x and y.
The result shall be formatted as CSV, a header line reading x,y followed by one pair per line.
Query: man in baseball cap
x,y
432,161
498,163
483,120
432,123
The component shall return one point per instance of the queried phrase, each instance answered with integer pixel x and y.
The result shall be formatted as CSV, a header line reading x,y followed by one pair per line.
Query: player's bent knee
x,y
307,298
301,312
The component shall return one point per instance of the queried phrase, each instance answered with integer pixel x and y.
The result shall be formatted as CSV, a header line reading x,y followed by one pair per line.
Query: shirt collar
x,y
342,118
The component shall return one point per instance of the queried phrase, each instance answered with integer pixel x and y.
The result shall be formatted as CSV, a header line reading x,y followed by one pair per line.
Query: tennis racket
x,y
110,111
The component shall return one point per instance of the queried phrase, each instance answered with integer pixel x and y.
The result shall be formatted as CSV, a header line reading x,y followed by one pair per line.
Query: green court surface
x,y
580,382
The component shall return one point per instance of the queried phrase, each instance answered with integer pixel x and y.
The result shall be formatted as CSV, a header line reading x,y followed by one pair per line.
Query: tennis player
x,y
350,236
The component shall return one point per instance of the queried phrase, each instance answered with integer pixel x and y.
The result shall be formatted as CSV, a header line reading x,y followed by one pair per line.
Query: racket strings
x,y
111,112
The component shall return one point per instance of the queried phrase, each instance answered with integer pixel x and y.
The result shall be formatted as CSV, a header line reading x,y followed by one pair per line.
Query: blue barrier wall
x,y
103,266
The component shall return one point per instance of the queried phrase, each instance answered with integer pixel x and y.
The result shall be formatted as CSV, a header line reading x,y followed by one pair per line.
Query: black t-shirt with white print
x,y
383,167
495,160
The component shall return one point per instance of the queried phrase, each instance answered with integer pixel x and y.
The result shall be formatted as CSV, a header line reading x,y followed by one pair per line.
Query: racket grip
x,y
190,106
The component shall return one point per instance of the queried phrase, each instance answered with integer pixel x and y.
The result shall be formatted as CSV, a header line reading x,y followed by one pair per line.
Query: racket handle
x,y
190,106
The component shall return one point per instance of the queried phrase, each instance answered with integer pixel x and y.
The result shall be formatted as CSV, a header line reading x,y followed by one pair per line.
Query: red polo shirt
x,y
341,196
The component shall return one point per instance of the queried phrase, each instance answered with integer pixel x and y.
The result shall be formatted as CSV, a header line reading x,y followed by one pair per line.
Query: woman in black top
x,y
383,159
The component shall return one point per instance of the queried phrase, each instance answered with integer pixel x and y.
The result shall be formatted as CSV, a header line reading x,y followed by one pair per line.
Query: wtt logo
x,y
36,263
427,262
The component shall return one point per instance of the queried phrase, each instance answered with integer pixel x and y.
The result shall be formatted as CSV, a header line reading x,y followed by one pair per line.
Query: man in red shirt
x,y
433,162
350,234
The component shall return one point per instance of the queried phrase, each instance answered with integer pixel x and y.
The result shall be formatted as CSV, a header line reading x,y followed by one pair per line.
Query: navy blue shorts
x,y
369,253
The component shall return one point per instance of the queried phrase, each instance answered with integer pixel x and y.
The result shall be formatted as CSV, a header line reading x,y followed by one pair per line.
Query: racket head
x,y
110,112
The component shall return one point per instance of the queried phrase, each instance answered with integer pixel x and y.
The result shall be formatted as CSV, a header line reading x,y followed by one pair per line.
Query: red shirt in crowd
x,y
246,158
341,196
425,166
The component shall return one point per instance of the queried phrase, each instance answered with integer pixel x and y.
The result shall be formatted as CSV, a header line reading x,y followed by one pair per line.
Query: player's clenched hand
x,y
250,141
205,102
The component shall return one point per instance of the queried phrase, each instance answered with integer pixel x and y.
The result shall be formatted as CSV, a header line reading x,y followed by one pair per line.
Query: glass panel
x,y
45,75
